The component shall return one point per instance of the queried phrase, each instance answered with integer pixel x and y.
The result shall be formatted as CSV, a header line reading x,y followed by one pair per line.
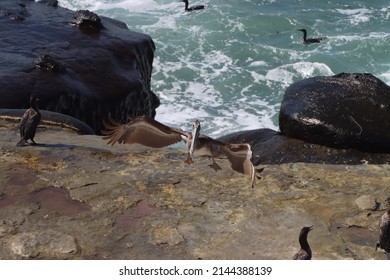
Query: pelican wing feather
x,y
142,130
240,156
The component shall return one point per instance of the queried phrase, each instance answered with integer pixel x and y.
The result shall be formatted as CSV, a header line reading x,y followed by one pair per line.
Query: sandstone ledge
x,y
131,202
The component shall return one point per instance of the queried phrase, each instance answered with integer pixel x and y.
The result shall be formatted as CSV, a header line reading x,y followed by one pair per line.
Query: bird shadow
x,y
58,146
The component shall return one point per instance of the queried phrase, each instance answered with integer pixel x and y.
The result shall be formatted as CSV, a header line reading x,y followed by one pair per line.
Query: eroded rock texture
x,y
75,197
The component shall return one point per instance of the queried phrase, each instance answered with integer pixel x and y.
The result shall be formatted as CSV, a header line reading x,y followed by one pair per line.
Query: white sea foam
x,y
258,64
385,77
130,5
356,16
287,73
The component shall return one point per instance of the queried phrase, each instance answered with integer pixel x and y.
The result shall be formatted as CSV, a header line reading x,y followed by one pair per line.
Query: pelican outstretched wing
x,y
142,130
240,156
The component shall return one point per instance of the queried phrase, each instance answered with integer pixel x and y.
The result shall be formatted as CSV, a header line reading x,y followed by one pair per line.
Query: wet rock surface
x,y
74,197
271,147
77,63
345,110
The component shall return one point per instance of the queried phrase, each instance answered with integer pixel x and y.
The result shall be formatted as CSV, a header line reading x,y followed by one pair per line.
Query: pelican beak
x,y
195,135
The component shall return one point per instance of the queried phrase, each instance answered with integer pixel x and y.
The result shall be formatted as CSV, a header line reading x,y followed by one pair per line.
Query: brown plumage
x,y
29,122
149,132
384,230
305,252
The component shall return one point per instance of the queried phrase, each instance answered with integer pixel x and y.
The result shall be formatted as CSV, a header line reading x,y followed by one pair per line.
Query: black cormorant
x,y
384,230
29,122
309,40
192,8
305,252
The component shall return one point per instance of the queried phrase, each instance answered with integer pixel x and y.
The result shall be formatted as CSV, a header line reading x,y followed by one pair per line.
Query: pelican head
x,y
195,135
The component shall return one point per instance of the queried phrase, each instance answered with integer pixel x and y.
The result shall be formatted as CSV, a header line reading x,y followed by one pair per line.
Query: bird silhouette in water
x,y
29,122
310,40
384,231
305,252
192,8
149,132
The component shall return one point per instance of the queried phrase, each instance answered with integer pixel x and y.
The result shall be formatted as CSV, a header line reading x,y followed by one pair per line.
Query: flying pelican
x,y
192,8
384,230
29,122
149,132
305,252
310,40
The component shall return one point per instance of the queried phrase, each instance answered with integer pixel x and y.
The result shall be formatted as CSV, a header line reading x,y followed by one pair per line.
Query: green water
x,y
229,64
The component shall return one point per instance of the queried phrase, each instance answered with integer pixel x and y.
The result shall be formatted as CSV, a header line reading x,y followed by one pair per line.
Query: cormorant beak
x,y
195,135
311,228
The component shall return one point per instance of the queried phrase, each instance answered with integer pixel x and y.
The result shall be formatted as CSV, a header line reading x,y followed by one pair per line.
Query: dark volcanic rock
x,y
53,3
345,110
13,10
87,19
270,147
73,70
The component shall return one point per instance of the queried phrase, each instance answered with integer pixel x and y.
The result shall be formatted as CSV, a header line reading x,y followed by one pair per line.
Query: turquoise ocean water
x,y
229,64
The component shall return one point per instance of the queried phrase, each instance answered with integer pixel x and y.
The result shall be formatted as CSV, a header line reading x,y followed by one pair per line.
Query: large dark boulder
x,y
345,111
77,63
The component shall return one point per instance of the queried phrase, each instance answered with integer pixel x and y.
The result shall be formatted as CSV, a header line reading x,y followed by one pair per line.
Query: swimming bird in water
x,y
305,252
29,122
192,8
384,230
149,132
310,40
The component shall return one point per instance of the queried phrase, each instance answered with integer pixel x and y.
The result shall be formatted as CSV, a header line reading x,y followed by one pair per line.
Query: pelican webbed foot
x,y
189,160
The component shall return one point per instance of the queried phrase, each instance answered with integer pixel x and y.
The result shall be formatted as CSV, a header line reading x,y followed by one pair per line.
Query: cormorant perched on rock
x,y
149,132
192,8
305,252
29,122
309,40
384,230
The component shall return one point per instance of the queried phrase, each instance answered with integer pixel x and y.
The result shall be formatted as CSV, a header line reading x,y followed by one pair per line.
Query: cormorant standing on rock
x,y
384,231
309,40
305,252
192,8
29,122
